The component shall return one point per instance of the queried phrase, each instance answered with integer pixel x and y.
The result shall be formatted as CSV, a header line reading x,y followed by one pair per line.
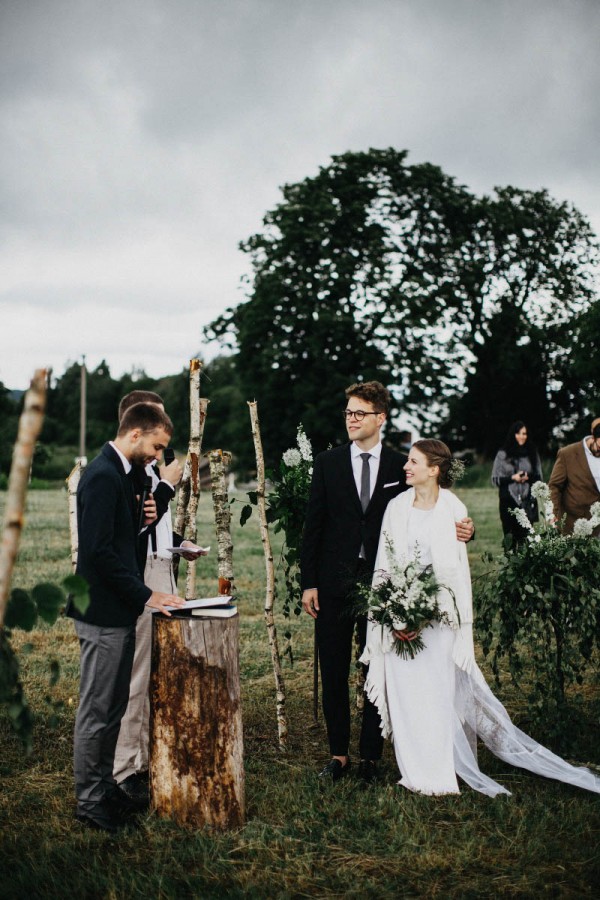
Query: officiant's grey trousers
x,y
106,660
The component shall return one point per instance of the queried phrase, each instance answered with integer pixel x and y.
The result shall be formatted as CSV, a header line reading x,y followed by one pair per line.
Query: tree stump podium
x,y
196,743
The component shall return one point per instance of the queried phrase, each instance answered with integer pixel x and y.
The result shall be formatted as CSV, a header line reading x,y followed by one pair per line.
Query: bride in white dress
x,y
436,705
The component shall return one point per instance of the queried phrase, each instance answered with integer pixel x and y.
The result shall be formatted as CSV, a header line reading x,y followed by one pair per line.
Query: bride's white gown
x,y
438,704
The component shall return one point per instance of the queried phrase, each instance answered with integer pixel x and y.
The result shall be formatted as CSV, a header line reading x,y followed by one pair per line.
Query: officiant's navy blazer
x,y
109,555
336,527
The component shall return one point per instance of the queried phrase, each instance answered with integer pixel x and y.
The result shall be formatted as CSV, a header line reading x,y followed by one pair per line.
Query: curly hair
x,y
437,454
372,392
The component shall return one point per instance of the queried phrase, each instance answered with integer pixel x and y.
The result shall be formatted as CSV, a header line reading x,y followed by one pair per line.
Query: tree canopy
x,y
375,268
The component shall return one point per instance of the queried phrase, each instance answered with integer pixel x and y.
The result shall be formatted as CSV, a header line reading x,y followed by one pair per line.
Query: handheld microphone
x,y
145,493
169,456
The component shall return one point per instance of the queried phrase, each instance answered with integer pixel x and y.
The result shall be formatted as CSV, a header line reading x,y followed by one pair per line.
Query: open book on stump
x,y
221,607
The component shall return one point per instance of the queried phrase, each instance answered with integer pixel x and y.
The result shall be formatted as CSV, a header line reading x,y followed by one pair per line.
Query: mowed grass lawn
x,y
299,840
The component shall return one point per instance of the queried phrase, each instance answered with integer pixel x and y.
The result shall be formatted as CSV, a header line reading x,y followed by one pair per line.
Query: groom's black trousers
x,y
334,629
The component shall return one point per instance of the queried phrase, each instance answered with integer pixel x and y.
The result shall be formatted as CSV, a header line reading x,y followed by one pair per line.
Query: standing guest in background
x,y
109,560
131,755
516,467
575,480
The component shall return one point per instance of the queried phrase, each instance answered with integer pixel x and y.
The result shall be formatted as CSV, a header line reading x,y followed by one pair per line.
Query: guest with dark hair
x,y
516,467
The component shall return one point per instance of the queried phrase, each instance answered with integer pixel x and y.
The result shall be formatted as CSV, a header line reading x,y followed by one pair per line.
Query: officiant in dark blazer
x,y
108,522
351,487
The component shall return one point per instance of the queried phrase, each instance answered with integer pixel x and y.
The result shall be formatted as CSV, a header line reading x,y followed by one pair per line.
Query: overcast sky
x,y
141,140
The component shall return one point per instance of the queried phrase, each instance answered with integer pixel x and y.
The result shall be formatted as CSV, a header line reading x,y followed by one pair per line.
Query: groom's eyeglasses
x,y
357,414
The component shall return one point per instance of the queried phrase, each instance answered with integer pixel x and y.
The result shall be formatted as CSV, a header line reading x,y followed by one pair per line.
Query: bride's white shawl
x,y
450,564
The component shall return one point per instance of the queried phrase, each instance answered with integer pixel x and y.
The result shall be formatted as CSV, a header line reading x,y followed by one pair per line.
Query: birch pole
x,y
189,489
191,526
72,485
219,461
30,425
282,724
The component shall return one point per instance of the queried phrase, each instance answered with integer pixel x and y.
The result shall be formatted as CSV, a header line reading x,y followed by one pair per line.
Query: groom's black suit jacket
x,y
336,527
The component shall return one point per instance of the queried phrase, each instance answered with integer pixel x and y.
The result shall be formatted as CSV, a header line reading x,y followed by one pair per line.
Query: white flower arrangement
x,y
541,492
303,452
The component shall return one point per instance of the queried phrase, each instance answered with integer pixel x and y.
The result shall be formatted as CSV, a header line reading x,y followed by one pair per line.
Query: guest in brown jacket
x,y
575,480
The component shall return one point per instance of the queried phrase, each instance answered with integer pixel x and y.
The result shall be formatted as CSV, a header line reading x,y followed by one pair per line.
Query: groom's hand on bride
x,y
465,529
310,602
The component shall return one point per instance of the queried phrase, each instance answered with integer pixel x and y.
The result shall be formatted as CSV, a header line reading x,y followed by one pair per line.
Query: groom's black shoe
x,y
367,771
334,770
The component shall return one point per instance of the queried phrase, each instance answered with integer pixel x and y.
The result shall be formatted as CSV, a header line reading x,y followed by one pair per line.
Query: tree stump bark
x,y
196,742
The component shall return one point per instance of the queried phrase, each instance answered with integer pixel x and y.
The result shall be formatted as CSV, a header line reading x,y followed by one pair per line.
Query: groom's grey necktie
x,y
365,481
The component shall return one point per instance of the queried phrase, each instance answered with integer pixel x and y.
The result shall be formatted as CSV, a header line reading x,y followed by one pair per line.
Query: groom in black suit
x,y
351,487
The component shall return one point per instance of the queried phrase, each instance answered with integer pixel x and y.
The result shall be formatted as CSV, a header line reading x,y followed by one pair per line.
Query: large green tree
x,y
377,268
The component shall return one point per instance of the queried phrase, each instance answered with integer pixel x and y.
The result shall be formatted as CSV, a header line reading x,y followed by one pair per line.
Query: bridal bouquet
x,y
405,599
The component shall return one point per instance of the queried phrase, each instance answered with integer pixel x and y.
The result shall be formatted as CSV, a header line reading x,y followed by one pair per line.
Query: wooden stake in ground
x,y
196,739
72,485
282,724
30,425
189,488
219,461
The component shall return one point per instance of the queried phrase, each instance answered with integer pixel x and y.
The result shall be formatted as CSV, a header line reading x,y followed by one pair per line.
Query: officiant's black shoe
x,y
334,770
368,772
101,818
135,788
125,807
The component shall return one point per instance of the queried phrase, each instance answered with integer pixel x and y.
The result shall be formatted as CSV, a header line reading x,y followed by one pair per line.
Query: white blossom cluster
x,y
294,456
586,527
541,492
523,520
304,445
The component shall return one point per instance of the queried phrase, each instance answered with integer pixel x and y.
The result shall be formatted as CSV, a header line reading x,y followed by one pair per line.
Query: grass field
x,y
299,841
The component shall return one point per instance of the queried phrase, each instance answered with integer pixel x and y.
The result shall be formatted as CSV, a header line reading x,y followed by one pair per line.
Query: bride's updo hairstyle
x,y
438,454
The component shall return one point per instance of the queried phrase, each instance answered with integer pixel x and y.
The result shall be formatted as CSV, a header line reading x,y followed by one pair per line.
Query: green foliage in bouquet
x,y
539,607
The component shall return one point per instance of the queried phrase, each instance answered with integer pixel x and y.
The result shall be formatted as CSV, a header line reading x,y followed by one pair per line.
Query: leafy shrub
x,y
539,606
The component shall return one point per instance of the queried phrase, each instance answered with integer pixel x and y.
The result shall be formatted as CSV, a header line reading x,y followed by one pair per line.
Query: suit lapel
x,y
348,482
